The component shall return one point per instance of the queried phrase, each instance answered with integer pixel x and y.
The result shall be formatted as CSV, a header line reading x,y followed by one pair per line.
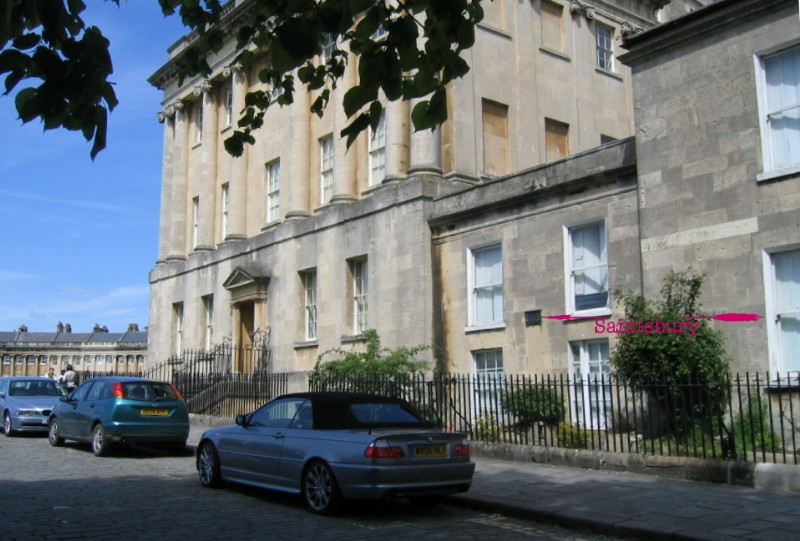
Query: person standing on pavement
x,y
51,374
70,379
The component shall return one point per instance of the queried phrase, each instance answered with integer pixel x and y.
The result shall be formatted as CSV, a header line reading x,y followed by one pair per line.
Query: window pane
x,y
783,107
589,266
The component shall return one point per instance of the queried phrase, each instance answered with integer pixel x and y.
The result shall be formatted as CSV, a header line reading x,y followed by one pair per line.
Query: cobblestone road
x,y
49,493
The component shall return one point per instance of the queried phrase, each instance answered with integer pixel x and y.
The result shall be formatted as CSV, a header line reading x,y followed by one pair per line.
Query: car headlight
x,y
31,413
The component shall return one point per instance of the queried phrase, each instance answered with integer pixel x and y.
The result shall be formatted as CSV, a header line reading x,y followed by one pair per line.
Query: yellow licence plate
x,y
430,450
161,412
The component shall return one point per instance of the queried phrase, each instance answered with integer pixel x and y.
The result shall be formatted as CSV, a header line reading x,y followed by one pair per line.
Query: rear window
x,y
368,414
148,391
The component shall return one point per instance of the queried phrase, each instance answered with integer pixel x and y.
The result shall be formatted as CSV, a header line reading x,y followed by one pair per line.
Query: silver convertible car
x,y
331,447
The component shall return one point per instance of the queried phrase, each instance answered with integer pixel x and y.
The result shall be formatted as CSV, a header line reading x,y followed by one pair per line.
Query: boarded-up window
x,y
556,139
495,138
552,37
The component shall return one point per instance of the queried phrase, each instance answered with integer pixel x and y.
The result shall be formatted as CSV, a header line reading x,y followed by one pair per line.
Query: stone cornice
x,y
694,26
231,19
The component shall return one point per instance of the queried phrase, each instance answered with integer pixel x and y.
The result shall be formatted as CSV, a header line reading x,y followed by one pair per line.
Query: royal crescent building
x,y
569,168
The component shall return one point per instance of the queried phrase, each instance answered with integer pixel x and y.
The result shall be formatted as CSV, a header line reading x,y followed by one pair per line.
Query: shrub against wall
x,y
686,376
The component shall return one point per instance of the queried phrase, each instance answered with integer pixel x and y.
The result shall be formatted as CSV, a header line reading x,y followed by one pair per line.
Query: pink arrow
x,y
567,317
729,317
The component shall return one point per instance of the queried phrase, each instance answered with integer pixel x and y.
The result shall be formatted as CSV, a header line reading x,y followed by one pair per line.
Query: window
x,y
195,220
358,268
495,138
489,371
273,191
31,359
225,207
42,359
328,47
310,304
590,394
556,139
54,360
17,359
485,277
604,41
98,360
228,105
779,108
785,292
6,360
587,273
198,121
208,316
377,152
177,327
552,29
326,169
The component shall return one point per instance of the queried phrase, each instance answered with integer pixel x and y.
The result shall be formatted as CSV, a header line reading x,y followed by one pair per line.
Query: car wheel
x,y
426,501
100,444
208,466
54,434
320,491
7,430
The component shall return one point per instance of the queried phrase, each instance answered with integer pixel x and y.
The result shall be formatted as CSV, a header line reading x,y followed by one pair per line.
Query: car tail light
x,y
116,390
176,391
461,450
382,449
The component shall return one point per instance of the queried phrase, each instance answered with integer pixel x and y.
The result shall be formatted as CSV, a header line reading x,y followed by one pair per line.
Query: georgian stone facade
x,y
24,353
458,237
717,114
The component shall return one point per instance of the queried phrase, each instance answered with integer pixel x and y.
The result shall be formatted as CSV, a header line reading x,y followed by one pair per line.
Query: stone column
x,y
166,117
298,177
179,204
425,150
398,119
208,168
237,184
344,161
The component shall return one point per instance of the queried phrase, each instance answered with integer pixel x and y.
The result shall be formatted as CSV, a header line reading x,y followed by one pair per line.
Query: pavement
x,y
625,505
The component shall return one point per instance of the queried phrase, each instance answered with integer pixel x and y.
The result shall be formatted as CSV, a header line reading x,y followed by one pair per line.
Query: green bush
x,y
486,428
536,404
375,369
685,376
752,430
572,437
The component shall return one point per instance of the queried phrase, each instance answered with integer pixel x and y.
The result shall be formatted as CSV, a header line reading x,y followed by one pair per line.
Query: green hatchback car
x,y
110,411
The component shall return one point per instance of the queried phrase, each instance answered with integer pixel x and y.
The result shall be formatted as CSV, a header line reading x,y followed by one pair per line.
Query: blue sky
x,y
79,237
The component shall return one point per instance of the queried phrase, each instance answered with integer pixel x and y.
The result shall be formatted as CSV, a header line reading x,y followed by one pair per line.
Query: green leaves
x,y
47,42
407,49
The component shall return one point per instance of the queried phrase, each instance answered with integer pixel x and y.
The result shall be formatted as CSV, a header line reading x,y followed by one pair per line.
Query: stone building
x,y
455,237
717,114
25,353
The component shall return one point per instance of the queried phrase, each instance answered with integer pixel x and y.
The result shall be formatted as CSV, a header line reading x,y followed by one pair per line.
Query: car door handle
x,y
278,435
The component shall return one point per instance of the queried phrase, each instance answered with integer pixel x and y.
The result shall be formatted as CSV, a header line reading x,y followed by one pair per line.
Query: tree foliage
x,y
686,375
407,49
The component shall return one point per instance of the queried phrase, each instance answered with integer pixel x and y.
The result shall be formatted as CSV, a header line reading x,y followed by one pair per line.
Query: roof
x,y
60,338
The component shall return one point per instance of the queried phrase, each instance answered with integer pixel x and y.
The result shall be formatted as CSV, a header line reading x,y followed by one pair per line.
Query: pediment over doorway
x,y
246,285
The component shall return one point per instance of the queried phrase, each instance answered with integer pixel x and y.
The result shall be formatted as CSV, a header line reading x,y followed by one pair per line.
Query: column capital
x,y
201,88
236,67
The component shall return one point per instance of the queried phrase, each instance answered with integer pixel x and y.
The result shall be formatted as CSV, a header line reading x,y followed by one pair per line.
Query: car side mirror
x,y
241,420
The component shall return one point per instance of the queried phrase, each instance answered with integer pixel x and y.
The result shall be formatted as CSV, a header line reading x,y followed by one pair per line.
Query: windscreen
x,y
34,388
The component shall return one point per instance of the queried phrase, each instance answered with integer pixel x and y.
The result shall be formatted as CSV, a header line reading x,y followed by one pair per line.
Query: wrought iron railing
x,y
751,417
